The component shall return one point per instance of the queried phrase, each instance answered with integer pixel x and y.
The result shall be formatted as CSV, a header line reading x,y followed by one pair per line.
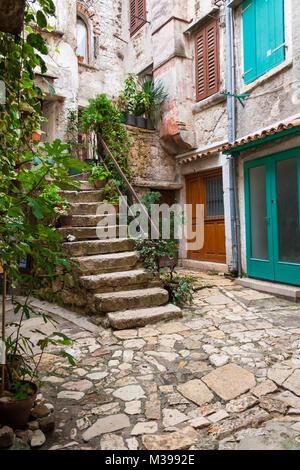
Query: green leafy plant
x,y
180,288
151,98
99,173
103,118
32,177
142,96
160,255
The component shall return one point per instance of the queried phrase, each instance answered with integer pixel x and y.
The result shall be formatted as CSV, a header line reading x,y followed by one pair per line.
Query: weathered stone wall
x,y
147,159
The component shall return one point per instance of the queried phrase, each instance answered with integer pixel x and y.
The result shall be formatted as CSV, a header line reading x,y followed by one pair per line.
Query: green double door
x,y
272,197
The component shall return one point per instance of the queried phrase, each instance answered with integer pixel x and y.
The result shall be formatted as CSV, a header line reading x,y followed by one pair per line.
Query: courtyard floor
x,y
225,376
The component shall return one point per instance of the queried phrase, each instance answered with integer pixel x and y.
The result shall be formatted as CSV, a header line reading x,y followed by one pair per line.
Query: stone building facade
x,y
187,44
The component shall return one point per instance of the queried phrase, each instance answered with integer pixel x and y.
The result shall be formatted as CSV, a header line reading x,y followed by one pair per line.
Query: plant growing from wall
x,y
31,177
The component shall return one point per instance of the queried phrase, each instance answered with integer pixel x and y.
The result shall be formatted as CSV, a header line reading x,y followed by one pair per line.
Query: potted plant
x,y
80,59
36,136
98,175
153,95
19,365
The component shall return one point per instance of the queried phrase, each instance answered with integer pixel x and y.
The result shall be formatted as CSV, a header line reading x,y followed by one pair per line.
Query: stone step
x,y
124,300
86,186
92,233
81,176
82,196
86,220
142,317
87,208
112,262
98,247
111,282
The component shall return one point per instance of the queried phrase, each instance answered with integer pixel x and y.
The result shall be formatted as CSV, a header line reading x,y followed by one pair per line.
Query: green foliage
x,y
32,175
180,288
98,173
151,97
152,252
142,97
103,118
160,255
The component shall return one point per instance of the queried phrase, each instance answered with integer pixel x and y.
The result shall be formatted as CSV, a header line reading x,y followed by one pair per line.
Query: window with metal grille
x,y
137,14
207,61
214,197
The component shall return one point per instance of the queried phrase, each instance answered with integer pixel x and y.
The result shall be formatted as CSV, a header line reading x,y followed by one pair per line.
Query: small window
x,y
138,14
82,41
263,31
214,197
207,61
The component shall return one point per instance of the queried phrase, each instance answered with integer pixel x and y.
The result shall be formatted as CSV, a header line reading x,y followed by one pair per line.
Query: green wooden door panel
x,y
283,263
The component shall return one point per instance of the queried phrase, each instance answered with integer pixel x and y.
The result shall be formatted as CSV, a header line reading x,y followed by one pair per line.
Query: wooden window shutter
x,y
137,15
207,61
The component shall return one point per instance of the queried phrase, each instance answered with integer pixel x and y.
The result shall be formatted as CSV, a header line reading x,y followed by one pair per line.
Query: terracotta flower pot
x,y
80,59
15,414
36,137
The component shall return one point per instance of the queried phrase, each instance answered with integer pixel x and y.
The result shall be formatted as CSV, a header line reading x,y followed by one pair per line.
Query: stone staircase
x,y
120,292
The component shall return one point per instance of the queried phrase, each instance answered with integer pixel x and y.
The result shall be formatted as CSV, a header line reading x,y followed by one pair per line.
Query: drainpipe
x,y
234,211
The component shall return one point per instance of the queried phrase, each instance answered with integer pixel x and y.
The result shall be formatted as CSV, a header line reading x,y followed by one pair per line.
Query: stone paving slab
x,y
230,366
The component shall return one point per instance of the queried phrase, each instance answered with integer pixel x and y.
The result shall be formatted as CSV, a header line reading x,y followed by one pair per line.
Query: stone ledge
x,y
282,290
157,184
203,265
208,102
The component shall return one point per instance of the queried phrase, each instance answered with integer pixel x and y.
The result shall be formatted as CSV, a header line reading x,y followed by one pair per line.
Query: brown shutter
x,y
200,66
207,61
137,14
132,16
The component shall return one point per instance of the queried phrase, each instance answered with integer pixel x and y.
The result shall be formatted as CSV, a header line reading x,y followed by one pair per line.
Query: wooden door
x,y
207,189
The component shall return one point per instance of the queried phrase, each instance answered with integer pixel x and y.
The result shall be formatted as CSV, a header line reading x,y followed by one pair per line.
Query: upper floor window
x,y
138,15
263,31
207,61
82,41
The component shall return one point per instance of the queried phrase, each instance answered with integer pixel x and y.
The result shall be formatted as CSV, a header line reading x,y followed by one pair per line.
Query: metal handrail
x,y
128,184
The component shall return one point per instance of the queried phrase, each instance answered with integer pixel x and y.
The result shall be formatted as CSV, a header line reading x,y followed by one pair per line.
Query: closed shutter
x,y
212,58
249,33
200,66
133,16
207,61
263,29
137,14
277,36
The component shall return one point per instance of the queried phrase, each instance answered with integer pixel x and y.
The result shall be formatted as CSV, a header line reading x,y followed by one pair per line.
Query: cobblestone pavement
x,y
226,376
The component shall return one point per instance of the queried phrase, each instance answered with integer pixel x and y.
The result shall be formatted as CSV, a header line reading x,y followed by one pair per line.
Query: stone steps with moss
x,y
112,283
